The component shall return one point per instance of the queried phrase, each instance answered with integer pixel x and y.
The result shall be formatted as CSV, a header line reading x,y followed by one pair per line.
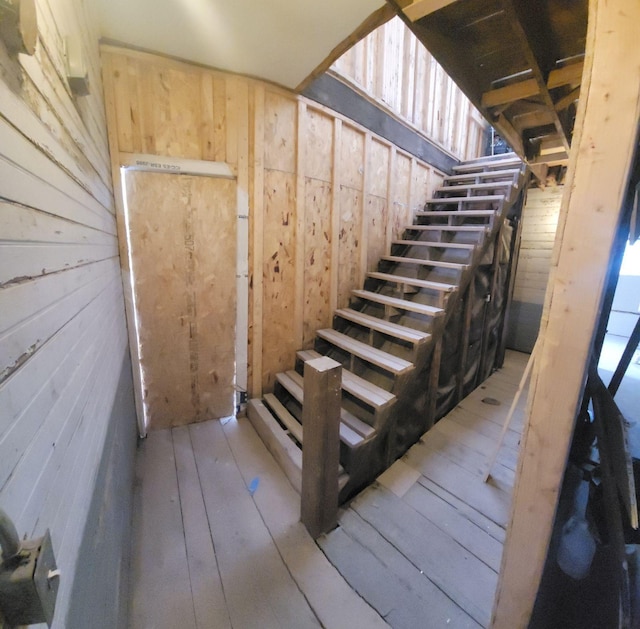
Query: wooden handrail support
x,y
321,446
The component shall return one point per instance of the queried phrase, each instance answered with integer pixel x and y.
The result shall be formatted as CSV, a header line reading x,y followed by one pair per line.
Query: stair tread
x,y
435,263
479,199
290,422
507,172
448,228
498,163
401,304
292,381
441,245
286,452
384,360
400,279
476,186
393,329
364,390
462,213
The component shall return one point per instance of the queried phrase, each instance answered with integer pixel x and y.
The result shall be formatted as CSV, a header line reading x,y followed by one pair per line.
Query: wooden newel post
x,y
321,446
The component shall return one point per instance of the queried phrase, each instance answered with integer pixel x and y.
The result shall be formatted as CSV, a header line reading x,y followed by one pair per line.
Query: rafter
x,y
418,9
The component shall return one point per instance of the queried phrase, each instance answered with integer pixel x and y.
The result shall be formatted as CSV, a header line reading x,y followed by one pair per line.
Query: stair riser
x,y
448,276
441,236
420,252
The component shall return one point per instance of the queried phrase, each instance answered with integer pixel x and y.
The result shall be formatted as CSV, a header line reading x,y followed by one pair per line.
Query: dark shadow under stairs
x,y
423,332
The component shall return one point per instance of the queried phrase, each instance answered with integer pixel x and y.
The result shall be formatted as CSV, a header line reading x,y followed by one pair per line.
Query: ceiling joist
x,y
421,8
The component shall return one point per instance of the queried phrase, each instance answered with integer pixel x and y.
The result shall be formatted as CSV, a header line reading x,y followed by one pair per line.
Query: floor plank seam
x,y
422,573
184,534
213,544
275,543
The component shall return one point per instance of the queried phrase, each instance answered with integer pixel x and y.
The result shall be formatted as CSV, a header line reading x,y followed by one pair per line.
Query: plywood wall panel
x,y
377,217
351,168
319,145
279,274
378,169
317,259
349,255
280,132
401,213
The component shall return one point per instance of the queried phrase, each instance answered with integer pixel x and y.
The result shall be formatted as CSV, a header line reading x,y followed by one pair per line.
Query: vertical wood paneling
x,y
62,333
325,196
401,75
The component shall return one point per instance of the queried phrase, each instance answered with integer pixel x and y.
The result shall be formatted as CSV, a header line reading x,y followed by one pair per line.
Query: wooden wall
x,y
392,67
324,196
63,343
539,222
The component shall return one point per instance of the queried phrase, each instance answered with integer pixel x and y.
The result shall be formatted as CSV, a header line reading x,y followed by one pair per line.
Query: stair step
x,y
289,421
412,281
434,263
401,332
488,198
284,451
484,165
448,228
364,390
384,360
461,213
441,245
491,158
292,381
468,188
399,304
509,172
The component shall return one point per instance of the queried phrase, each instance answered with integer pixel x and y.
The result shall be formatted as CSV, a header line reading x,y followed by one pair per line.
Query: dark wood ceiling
x,y
518,61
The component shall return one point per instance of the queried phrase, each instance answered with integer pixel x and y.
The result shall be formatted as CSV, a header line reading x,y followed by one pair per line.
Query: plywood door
x,y
182,237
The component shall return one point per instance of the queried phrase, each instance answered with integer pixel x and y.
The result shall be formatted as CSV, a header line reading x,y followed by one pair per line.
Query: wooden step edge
x,y
360,388
292,381
438,245
449,228
384,360
489,198
476,186
401,332
276,440
289,421
507,172
461,213
491,158
441,287
486,166
399,304
435,263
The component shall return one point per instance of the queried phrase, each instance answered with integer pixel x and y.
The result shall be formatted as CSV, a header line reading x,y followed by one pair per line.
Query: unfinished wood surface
x,y
234,552
183,251
605,141
423,544
305,174
321,448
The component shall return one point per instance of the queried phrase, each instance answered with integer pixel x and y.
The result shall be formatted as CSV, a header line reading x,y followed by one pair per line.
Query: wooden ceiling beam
x,y
571,73
418,9
565,101
510,93
531,119
534,65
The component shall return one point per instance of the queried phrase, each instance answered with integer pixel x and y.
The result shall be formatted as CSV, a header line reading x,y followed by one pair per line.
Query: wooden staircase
x,y
422,332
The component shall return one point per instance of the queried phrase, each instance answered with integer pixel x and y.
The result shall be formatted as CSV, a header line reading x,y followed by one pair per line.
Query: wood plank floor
x,y
423,544
217,540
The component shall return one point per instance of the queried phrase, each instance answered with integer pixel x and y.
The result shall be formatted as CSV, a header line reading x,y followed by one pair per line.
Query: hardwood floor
x,y
217,540
423,544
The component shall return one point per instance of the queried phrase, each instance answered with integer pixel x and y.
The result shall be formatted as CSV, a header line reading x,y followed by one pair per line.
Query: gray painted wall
x,y
67,426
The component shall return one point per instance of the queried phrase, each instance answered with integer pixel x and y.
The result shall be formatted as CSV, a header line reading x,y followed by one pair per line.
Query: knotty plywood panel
x,y
317,259
280,113
376,216
420,185
378,169
350,203
351,167
401,212
183,253
279,274
319,145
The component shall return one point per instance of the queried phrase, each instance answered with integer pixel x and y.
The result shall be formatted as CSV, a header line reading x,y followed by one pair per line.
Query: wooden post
x,y
321,446
604,143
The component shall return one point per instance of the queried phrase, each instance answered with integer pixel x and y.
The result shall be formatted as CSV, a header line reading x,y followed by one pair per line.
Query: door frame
x,y
199,168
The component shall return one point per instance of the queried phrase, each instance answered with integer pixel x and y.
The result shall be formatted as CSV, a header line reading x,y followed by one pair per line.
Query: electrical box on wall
x,y
77,73
18,25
